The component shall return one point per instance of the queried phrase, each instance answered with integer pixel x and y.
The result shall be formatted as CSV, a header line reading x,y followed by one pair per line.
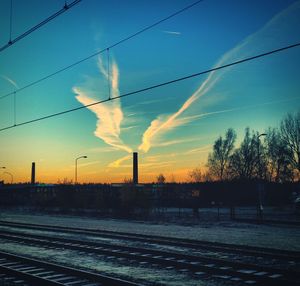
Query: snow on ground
x,y
137,272
279,236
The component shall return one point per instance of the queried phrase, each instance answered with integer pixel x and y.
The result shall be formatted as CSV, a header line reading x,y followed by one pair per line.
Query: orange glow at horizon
x,y
175,172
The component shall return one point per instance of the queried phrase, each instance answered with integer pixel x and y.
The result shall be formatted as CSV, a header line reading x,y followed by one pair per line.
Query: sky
x,y
172,127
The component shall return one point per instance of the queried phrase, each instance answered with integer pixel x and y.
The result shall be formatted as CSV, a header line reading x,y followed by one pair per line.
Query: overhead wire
x,y
105,49
50,18
157,85
10,21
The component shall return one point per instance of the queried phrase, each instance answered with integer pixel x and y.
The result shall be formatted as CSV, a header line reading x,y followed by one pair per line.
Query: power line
x,y
103,50
62,10
157,85
10,21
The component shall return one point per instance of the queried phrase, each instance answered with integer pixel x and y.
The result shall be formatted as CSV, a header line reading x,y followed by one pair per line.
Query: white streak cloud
x,y
109,114
172,33
117,163
164,123
174,142
10,81
203,149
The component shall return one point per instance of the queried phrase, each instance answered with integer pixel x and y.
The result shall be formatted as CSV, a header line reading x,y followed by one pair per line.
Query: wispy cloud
x,y
240,108
202,149
137,105
174,142
109,114
81,164
164,123
157,164
147,162
10,81
88,164
102,149
147,165
157,158
129,127
117,163
172,33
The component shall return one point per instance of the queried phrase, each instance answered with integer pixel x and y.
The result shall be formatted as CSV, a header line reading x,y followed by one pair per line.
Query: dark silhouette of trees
x,y
161,179
244,162
196,175
218,160
277,155
172,179
276,159
290,133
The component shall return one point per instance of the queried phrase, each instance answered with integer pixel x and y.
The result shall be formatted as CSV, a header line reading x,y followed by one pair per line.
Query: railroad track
x,y
268,253
269,221
196,265
20,270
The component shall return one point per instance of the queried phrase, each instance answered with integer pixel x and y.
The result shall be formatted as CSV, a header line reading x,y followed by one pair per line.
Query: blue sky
x,y
172,127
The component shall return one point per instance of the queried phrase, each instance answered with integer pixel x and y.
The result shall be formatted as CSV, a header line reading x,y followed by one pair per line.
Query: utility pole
x,y
135,168
260,185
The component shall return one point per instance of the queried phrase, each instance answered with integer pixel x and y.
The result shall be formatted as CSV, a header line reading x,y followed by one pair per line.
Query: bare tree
x,y
195,175
206,177
290,133
161,179
218,160
244,161
128,181
65,181
172,179
277,157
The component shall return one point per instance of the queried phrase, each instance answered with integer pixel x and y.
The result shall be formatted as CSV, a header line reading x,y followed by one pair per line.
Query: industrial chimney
x,y
135,168
33,173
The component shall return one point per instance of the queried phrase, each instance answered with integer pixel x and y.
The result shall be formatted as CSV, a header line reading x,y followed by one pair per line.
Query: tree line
x,y
272,156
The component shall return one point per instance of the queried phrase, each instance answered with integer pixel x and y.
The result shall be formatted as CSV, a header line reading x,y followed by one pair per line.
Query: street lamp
x,y
258,154
76,167
11,176
260,185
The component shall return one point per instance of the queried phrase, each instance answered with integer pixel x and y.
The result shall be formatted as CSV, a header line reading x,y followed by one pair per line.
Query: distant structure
x,y
135,168
33,173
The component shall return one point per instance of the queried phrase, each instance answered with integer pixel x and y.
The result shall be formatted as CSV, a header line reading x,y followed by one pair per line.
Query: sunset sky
x,y
173,127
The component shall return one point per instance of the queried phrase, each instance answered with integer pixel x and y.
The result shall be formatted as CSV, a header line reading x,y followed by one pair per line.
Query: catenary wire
x,y
103,50
10,20
62,10
157,85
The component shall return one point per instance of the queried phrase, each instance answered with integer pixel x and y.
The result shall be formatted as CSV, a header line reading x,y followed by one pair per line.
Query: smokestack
x,y
135,168
33,173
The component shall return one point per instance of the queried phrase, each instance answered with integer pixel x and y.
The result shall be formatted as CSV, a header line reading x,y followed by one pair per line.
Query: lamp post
x,y
76,167
260,185
11,176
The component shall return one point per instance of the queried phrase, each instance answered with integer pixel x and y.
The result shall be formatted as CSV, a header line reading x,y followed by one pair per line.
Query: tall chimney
x,y
33,173
135,168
